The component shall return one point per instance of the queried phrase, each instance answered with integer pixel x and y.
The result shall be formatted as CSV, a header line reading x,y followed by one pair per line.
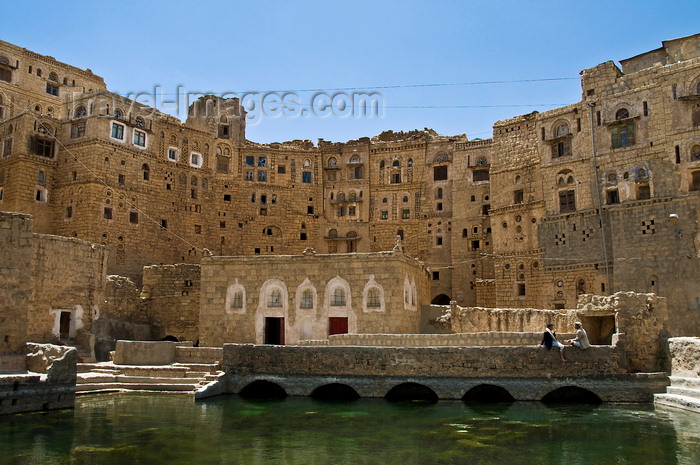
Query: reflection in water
x,y
167,429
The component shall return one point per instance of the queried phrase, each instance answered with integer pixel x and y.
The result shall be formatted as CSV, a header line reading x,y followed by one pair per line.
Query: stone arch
x,y
334,391
571,394
488,393
561,128
411,391
235,298
263,389
373,296
441,299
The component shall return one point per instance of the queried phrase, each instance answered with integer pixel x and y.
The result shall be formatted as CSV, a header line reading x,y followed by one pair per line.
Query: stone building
x,y
286,299
595,197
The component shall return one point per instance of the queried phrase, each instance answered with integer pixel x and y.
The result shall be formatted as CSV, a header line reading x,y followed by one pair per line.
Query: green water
x,y
172,429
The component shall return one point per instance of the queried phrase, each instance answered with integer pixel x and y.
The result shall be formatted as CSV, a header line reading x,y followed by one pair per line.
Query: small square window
x,y
262,176
195,159
139,138
436,275
227,197
438,240
249,160
309,209
263,212
134,217
405,214
198,229
117,131
164,224
107,213
385,214
302,236
306,177
222,224
281,169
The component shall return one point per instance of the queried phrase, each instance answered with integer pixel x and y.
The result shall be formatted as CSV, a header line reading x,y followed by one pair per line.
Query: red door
x,y
337,325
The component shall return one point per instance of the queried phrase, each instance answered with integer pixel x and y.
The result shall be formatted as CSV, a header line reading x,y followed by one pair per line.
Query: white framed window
x,y
196,159
117,131
173,154
139,138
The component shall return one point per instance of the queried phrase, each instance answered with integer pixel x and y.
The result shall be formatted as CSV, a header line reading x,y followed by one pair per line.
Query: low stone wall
x,y
685,356
198,354
482,339
48,382
144,353
502,362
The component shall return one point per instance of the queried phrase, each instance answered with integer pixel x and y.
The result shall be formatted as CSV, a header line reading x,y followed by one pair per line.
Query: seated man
x,y
581,339
549,340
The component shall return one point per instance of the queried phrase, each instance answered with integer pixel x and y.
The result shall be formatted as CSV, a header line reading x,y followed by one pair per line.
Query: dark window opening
x,y
567,201
439,173
518,196
613,197
480,175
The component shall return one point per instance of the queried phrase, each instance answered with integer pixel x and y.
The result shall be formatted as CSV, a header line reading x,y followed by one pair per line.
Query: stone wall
x,y
53,284
171,294
480,339
16,292
486,362
48,382
685,353
640,317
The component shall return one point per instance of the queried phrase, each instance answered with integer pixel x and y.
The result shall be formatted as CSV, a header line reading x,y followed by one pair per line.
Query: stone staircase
x,y
684,391
187,375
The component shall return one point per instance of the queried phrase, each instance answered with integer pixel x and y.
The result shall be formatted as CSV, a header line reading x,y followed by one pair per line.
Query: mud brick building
x,y
595,197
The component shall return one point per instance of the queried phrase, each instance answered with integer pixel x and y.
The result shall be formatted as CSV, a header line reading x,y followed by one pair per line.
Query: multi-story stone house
x,y
595,197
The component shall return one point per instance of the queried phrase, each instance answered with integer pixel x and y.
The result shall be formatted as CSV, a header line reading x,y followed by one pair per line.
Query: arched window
x,y
442,157
338,297
622,113
381,165
274,298
695,153
333,233
396,164
561,130
410,162
374,298
80,112
139,122
237,301
118,113
332,162
53,77
307,299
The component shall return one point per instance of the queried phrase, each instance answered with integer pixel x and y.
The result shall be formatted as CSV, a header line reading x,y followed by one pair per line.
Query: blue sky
x,y
399,50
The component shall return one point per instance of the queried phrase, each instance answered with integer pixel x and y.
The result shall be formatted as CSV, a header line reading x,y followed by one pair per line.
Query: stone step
x,y
207,367
682,402
683,391
681,381
196,374
116,386
153,380
95,377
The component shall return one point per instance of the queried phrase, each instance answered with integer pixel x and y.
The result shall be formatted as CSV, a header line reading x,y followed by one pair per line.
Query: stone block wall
x,y
487,362
171,294
685,353
481,339
17,289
